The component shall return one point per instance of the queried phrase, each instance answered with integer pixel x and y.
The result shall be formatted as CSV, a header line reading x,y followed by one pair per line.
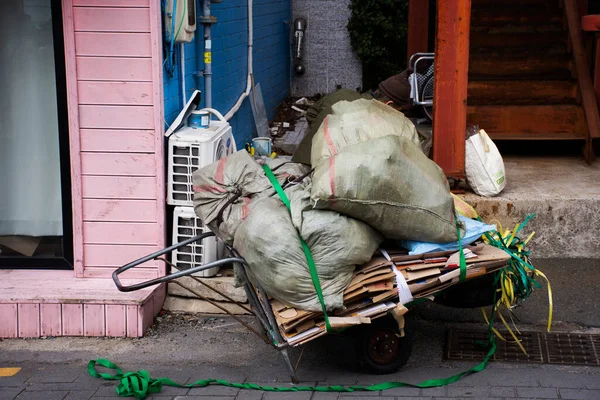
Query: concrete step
x,y
512,92
548,122
564,193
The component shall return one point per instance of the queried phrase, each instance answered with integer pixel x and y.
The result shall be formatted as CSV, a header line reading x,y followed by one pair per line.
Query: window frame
x,y
66,261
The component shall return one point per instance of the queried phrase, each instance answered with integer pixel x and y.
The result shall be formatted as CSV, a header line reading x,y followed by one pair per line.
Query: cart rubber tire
x,y
380,350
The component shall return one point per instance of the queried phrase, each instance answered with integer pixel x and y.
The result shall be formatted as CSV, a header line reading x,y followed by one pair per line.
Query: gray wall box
x,y
327,54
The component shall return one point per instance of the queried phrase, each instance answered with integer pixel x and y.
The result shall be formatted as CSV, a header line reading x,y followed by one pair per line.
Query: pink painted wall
x,y
114,85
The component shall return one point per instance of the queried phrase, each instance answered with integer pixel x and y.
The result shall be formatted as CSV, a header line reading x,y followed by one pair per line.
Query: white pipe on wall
x,y
182,62
245,94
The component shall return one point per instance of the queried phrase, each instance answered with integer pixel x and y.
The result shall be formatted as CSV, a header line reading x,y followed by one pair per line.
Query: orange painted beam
x,y
418,27
450,91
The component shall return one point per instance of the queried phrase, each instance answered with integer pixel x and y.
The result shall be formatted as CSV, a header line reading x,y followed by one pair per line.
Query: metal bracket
x,y
209,20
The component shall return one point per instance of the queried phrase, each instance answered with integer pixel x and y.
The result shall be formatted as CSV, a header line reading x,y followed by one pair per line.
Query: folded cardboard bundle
x,y
374,289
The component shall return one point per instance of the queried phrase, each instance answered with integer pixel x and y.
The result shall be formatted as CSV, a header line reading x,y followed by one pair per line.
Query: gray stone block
x,y
223,284
537,393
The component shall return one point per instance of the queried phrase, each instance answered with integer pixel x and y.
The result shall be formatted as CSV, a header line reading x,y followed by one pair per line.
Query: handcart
x,y
381,348
421,81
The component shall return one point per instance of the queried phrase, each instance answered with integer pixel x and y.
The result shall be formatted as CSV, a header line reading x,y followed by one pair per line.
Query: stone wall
x,y
328,56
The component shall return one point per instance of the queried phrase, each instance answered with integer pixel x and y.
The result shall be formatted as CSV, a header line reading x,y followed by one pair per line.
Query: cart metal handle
x,y
170,277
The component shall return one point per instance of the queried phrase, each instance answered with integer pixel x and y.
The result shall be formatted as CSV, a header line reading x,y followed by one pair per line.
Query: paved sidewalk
x,y
56,369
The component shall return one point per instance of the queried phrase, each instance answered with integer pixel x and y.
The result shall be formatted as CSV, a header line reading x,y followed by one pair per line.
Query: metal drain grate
x,y
546,348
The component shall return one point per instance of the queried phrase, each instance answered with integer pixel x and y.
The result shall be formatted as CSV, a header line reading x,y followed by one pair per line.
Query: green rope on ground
x,y
139,384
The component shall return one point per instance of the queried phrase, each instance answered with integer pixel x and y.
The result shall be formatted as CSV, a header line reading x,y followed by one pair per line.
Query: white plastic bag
x,y
484,167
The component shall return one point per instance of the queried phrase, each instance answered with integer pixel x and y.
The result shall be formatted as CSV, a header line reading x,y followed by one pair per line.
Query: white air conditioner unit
x,y
185,20
190,149
193,148
186,225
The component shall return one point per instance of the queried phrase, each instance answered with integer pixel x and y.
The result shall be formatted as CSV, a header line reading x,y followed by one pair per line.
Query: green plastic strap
x,y
463,261
309,258
140,384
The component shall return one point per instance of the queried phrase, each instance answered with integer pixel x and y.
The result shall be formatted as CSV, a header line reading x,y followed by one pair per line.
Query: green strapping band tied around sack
x,y
309,258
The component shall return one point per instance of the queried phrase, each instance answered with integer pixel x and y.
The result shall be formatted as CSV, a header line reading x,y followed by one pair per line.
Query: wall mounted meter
x,y
180,20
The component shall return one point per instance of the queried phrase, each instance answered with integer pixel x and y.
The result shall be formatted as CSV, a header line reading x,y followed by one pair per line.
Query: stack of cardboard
x,y
373,290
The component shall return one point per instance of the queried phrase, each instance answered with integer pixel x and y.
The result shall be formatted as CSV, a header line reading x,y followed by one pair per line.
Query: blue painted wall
x,y
229,62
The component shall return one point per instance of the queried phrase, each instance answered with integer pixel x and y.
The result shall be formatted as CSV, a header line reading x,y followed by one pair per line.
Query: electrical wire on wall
x,y
170,51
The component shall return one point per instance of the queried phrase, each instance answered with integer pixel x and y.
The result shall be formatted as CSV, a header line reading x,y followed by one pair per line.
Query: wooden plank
x,y
72,317
522,92
119,164
157,81
116,117
123,141
120,233
114,69
74,142
119,210
132,321
115,93
584,76
93,320
537,67
450,91
116,320
133,274
111,3
529,121
597,70
119,187
8,321
418,27
60,286
101,19
118,255
112,44
51,320
29,320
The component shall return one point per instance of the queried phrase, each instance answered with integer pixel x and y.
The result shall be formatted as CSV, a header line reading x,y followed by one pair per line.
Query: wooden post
x,y
584,77
418,27
450,91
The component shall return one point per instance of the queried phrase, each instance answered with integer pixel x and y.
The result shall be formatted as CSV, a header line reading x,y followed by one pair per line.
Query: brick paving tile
x,y
287,396
202,398
539,393
579,394
9,393
55,375
214,390
249,395
68,386
402,392
465,391
503,392
80,395
325,396
434,392
360,394
554,379
42,396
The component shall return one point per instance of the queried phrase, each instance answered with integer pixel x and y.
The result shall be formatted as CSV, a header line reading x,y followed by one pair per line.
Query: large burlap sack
x,y
391,185
268,241
359,121
217,184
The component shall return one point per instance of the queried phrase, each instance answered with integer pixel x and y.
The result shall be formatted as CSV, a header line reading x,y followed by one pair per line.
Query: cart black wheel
x,y
380,349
